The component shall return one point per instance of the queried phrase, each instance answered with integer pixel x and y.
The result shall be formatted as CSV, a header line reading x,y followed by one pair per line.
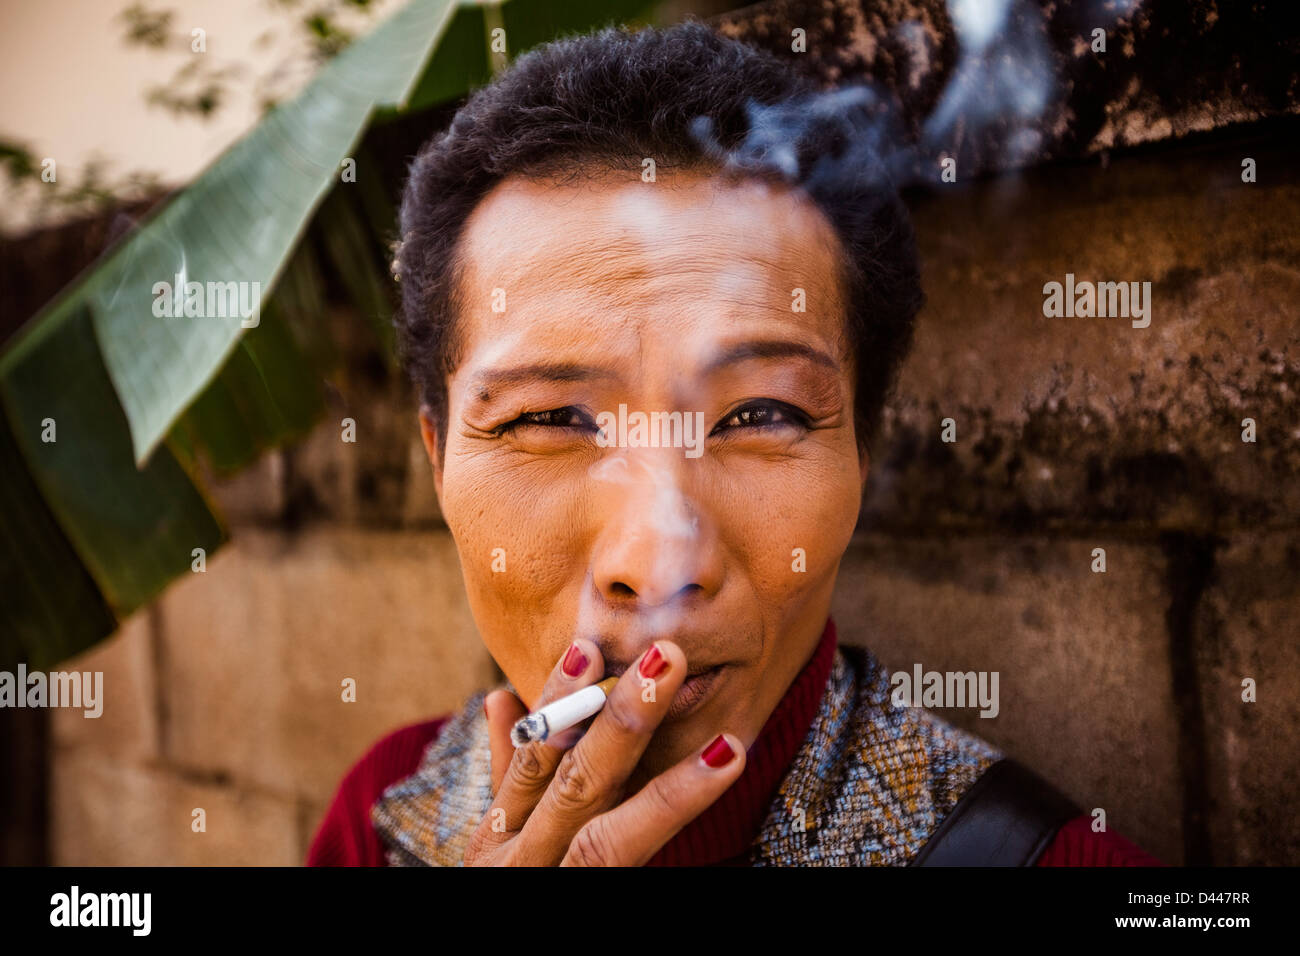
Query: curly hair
x,y
604,100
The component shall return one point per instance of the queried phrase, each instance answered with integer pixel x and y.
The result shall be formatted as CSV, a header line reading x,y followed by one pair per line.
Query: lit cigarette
x,y
562,714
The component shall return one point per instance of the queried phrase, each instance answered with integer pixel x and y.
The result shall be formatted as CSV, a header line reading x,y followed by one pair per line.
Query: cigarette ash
x,y
529,729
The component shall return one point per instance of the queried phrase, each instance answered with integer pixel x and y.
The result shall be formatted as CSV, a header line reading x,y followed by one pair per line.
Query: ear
x,y
432,447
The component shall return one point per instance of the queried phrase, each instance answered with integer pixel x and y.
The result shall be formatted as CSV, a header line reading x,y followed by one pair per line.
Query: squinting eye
x,y
760,414
568,417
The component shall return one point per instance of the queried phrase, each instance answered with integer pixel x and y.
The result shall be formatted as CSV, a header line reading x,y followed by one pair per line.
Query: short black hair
x,y
603,101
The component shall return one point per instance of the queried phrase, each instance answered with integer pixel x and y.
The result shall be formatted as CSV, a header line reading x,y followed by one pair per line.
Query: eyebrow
x,y
489,379
768,348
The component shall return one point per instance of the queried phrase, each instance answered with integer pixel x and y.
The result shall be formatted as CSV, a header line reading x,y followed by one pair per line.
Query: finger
x,y
591,775
525,772
635,830
502,709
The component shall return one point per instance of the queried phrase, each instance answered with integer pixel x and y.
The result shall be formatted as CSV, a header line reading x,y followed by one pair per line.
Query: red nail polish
x,y
719,753
653,663
575,662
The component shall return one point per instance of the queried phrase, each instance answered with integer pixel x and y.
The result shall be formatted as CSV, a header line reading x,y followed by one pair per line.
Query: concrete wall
x,y
1072,434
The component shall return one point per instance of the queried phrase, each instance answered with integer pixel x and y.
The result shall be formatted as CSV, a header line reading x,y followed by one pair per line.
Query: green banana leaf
x,y
241,219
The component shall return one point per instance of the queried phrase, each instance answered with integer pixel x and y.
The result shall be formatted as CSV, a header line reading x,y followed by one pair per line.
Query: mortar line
x,y
1190,564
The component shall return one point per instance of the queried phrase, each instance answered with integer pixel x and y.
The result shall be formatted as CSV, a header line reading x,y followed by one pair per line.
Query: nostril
x,y
619,589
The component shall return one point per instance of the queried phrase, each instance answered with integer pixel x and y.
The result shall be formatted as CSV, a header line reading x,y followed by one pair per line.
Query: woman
x,y
651,353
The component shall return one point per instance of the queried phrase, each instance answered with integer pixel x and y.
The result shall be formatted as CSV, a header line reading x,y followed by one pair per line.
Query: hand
x,y
561,803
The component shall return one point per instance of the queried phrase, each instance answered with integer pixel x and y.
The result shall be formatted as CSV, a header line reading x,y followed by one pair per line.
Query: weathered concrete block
x,y
128,727
1249,627
255,495
323,469
363,481
310,815
1084,676
108,812
257,648
1062,421
420,508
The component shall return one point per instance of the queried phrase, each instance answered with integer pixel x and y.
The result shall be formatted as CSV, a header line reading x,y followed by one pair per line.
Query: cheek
x,y
792,525
515,531
515,526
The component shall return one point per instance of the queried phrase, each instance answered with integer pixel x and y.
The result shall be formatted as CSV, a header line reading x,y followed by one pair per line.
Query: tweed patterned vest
x,y
869,785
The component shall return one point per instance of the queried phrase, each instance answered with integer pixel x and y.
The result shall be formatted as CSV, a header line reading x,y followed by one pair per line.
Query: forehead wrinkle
x,y
620,247
620,269
603,307
614,272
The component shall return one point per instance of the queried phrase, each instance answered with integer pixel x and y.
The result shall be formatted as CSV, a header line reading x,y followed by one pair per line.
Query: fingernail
x,y
485,713
719,753
575,662
653,663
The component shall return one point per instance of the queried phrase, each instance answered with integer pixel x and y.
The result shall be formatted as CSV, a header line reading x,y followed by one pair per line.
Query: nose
x,y
656,545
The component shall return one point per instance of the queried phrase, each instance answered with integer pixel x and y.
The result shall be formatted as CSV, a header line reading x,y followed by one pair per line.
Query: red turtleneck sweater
x,y
720,835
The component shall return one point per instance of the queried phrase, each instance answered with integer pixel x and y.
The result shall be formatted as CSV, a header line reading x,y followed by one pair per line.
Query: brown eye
x,y
763,414
567,417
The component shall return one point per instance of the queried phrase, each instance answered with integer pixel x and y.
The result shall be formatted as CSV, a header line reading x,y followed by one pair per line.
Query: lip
x,y
694,692
618,670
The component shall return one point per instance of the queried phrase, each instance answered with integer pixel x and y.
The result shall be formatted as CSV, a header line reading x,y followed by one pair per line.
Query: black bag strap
x,y
1007,818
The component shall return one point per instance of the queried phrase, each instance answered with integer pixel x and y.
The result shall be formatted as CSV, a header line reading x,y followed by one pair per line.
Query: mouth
x,y
696,670
697,688
702,678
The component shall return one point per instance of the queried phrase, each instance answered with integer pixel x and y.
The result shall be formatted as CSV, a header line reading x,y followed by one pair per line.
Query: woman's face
x,y
717,301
